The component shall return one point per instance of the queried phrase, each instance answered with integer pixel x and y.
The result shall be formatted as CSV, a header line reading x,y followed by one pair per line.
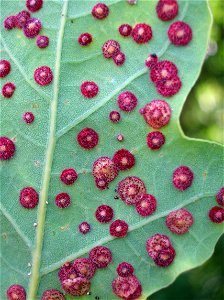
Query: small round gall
x,y
52,295
5,68
43,75
179,221
123,159
88,138
84,227
42,41
110,48
89,89
101,256
180,33
22,18
125,269
8,89
125,30
85,39
119,228
62,200
7,148
127,101
220,197
34,5
151,61
182,178
10,22
32,28
100,11
119,58
157,113
167,9
155,140
216,214
141,33
146,205
129,188
104,213
28,117
16,291
114,116
68,176
29,198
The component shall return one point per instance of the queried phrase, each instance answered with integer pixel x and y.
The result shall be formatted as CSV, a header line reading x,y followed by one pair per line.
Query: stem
x,y
35,273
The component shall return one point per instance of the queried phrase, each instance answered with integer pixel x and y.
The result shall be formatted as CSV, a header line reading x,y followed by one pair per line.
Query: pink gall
x,y
123,159
104,168
67,271
179,221
114,116
127,101
84,267
146,205
155,140
101,256
119,228
62,200
151,61
110,48
165,257
85,39
180,33
8,89
34,5
32,28
125,287
220,197
157,113
68,176
125,30
42,41
156,243
76,287
182,178
141,33
125,269
163,70
167,9
100,11
84,227
119,58
22,18
216,214
5,68
28,117
101,183
89,89
43,75
104,213
29,198
15,292
7,148
10,22
52,295
169,87
129,188
88,138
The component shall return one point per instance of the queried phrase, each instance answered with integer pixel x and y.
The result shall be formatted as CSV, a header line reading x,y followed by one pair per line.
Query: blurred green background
x,y
203,117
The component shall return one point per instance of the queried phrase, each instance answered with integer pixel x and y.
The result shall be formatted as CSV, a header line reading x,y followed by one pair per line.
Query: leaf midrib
x,y
35,272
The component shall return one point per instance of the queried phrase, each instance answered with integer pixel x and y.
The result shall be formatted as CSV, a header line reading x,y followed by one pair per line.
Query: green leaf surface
x,y
49,145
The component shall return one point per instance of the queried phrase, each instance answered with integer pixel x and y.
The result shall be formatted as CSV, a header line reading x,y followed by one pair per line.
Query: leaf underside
x,y
49,145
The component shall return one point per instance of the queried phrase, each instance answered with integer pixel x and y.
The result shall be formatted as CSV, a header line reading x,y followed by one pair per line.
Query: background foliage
x,y
202,117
